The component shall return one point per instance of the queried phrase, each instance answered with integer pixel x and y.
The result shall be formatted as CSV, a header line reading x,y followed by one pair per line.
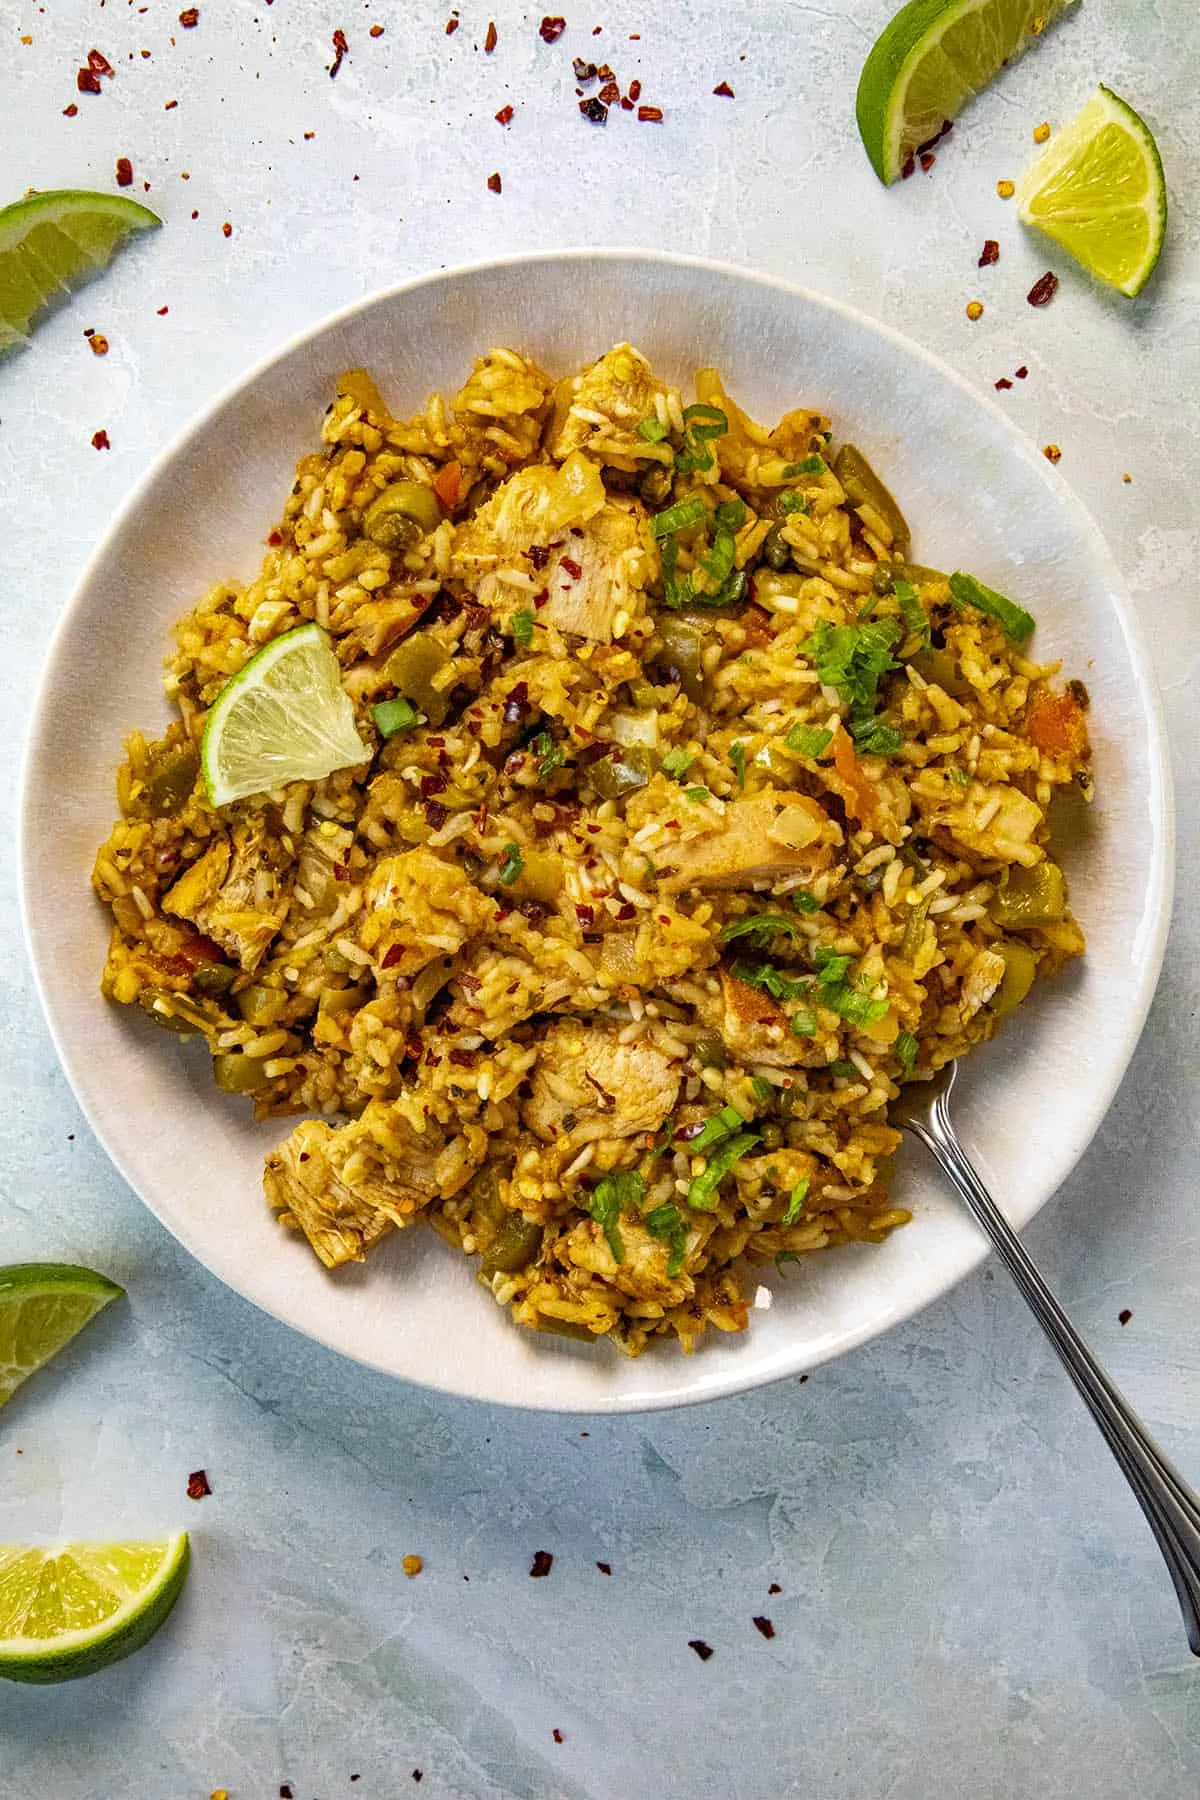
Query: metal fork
x,y
1166,1499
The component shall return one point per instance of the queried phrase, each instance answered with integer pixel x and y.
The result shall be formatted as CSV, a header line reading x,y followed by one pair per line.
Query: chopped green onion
x,y
717,1127
761,926
848,1071
857,1009
678,517
811,465
732,514
1013,620
906,1051
702,1191
676,764
852,658
652,429
512,865
916,619
675,593
701,424
737,756
830,966
550,755
874,738
606,1201
804,1022
796,1202
696,793
808,740
771,980
790,501
719,561
668,1222
762,1089
959,777
522,626
393,716
805,902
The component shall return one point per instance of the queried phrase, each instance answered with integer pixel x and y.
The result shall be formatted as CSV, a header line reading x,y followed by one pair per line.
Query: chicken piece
x,y
378,624
323,852
983,977
342,1221
1012,818
765,838
236,893
755,1029
496,389
419,908
621,387
534,506
642,1271
588,1085
599,574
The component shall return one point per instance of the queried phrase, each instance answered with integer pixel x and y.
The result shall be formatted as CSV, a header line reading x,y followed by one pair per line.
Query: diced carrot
x,y
858,794
448,484
1057,725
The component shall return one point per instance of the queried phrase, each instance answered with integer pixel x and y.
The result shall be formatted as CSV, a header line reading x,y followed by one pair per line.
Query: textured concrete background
x,y
970,1602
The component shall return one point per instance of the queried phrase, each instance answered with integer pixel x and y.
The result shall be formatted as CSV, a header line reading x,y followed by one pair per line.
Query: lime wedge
x,y
934,57
74,1609
51,242
1098,190
284,717
42,1307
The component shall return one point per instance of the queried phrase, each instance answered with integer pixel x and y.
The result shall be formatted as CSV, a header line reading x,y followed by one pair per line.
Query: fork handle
x,y
1169,1504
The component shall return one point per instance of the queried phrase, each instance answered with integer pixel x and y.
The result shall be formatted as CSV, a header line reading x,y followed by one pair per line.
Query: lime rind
x,y
284,717
50,242
1086,194
930,61
43,1306
124,1591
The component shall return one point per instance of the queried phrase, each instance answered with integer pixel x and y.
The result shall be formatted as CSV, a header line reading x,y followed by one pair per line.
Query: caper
x,y
399,517
776,551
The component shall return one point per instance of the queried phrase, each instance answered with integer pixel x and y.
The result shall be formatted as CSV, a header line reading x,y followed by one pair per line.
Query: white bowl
x,y
977,494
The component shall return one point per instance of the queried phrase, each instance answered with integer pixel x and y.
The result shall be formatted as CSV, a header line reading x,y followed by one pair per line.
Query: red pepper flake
x,y
491,39
625,913
451,27
989,254
764,1625
1043,290
539,555
604,1568
285,1791
557,1735
650,115
162,312
170,106
585,914
227,229
541,1565
610,93
774,1588
584,71
124,172
594,111
98,342
703,1650
909,167
198,1485
189,17
1124,1316
195,215
927,160
1021,373
69,112
1003,382
551,29
725,91
1052,453
605,73
504,116
635,91
99,63
341,48
100,441
376,31
571,566
436,814
494,182
87,81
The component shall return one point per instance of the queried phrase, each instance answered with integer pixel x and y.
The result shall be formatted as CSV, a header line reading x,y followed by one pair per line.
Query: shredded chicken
x,y
534,506
236,893
755,1028
621,387
341,1222
587,1085
419,908
756,840
598,573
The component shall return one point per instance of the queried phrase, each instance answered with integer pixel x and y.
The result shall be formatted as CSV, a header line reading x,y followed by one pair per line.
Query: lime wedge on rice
x,y
76,1608
1098,190
284,717
42,1307
934,57
51,242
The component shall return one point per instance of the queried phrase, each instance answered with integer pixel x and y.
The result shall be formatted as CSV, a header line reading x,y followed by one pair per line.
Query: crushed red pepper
x,y
1021,373
227,229
162,311
650,115
341,49
98,342
543,1562
376,31
1003,382
610,93
594,111
491,39
1052,453
584,71
285,1791
504,116
99,63
198,1485
1124,1316
87,81
494,183
927,160
69,112
451,27
189,17
989,254
604,1568
124,172
774,1588
1043,289
909,167
726,92
100,441
557,1735
170,106
763,1625
551,28
703,1650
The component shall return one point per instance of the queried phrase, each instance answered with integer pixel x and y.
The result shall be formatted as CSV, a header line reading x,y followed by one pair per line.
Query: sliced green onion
x,y
732,513
678,517
702,1191
1013,620
737,756
394,716
796,1202
696,793
607,1199
668,1222
790,501
652,429
906,1051
761,926
550,755
805,902
719,1126
804,1022
874,738
808,740
811,465
522,627
512,865
762,1088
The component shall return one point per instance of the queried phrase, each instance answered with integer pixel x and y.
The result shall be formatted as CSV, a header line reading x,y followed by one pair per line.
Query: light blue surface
x,y
971,1604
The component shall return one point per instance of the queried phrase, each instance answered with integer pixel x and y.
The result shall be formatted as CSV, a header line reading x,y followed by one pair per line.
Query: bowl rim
x,y
1159,798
